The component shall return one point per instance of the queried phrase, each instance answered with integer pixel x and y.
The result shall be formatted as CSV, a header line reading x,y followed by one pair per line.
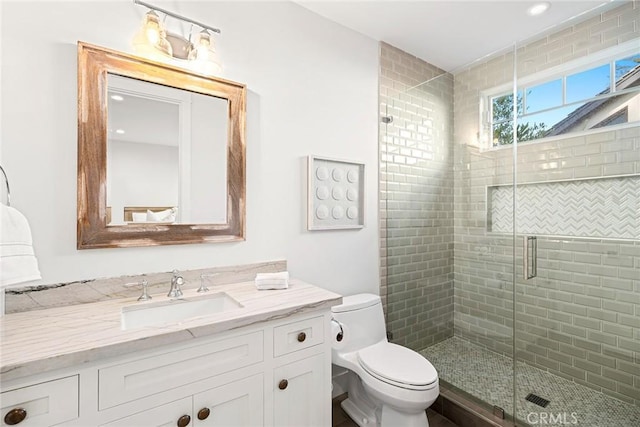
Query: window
x,y
605,93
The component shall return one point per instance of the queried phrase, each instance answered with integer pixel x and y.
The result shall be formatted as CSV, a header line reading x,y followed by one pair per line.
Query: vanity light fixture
x,y
204,56
152,36
153,41
538,8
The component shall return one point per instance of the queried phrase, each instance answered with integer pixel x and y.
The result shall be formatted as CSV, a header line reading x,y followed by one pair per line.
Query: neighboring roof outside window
x,y
580,116
579,97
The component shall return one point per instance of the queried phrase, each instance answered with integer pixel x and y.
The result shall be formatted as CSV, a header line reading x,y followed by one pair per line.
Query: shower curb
x,y
464,412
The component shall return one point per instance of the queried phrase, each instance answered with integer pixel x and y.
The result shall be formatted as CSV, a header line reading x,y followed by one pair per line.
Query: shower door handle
x,y
530,257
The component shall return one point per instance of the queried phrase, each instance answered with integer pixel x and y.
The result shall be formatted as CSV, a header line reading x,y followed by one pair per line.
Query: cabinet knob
x,y
203,414
283,384
184,421
15,416
302,336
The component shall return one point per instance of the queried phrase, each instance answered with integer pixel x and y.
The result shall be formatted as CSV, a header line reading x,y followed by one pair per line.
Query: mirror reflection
x,y
159,139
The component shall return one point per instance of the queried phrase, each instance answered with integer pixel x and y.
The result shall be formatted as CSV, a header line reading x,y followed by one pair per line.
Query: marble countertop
x,y
38,341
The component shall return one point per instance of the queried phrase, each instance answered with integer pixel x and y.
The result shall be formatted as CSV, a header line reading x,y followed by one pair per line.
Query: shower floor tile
x,y
488,376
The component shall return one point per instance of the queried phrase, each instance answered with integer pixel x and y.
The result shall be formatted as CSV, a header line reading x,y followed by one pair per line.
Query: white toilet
x,y
389,385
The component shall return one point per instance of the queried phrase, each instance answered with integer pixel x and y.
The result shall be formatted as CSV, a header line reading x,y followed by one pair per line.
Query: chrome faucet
x,y
176,282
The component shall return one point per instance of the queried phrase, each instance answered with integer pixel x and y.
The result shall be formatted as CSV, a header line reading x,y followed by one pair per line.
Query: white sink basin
x,y
174,311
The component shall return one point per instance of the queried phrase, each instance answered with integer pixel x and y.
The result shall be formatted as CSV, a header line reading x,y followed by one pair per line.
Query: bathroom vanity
x,y
264,359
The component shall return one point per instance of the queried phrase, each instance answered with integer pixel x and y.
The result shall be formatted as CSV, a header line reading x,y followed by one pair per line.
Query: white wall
x,y
208,152
312,90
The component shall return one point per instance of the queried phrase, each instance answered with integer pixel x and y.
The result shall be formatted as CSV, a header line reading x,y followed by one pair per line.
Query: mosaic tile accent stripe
x,y
601,208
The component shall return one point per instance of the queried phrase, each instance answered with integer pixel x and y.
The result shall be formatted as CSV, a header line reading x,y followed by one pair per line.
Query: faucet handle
x,y
145,294
203,279
176,282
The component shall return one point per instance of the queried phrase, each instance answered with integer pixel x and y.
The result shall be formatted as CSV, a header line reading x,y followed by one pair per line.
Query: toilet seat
x,y
398,366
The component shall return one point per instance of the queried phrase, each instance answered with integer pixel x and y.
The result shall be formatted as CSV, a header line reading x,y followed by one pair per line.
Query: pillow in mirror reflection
x,y
167,215
139,216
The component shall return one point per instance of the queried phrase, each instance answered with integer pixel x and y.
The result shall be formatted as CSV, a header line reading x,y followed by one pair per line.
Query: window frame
x,y
562,71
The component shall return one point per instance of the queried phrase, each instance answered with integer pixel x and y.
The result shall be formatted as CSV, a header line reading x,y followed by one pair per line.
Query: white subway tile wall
x,y
416,199
580,318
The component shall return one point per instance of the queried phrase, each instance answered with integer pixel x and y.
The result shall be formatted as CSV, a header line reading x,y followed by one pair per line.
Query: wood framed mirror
x,y
161,153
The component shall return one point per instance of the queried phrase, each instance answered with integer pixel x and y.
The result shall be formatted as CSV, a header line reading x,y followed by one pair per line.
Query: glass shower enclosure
x,y
510,218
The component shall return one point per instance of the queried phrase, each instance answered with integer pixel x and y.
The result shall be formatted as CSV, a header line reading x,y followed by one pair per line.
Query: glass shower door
x,y
577,236
417,213
447,276
511,256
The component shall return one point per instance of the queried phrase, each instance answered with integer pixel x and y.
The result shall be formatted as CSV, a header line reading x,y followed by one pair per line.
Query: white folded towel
x,y
262,287
282,275
18,263
272,280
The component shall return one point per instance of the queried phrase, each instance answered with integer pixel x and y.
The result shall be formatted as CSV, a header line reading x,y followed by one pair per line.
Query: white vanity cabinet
x,y
162,371
225,369
167,414
297,399
41,404
239,403
272,373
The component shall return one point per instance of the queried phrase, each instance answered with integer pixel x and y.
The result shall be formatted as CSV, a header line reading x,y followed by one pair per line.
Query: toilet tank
x,y
362,321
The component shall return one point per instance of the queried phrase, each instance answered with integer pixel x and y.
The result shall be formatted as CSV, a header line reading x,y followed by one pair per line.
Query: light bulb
x,y
151,38
163,44
204,56
202,49
152,27
202,45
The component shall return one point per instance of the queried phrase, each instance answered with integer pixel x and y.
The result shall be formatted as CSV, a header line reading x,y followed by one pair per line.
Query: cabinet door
x,y
239,403
142,377
299,391
44,404
166,415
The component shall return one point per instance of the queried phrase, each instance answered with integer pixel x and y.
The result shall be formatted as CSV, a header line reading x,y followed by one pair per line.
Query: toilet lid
x,y
398,365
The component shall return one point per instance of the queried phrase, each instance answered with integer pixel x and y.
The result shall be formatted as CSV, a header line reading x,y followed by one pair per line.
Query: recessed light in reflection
x,y
120,131
117,97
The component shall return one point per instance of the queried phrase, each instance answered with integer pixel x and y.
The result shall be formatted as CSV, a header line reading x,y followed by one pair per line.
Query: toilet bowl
x,y
388,385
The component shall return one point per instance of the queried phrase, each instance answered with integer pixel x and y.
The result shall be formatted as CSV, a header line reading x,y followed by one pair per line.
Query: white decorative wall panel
x,y
606,207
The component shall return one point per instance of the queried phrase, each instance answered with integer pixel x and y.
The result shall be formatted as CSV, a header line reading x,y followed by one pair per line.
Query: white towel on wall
x,y
18,263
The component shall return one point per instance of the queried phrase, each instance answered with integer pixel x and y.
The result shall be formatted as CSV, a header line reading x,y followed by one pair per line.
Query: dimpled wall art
x,y
335,194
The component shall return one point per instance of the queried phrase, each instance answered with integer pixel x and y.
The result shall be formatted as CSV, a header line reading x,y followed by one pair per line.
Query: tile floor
x,y
341,419
488,376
